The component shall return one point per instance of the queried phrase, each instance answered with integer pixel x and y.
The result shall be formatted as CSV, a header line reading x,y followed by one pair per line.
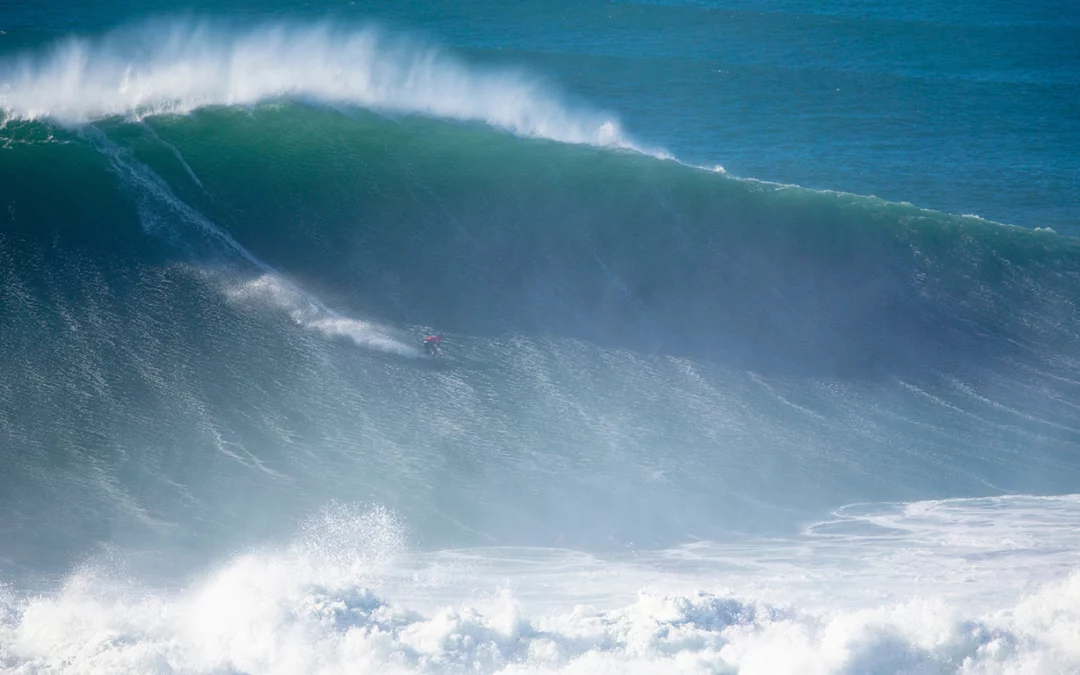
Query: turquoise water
x,y
743,370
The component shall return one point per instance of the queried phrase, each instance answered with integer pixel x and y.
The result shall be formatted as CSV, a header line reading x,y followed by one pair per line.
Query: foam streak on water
x,y
278,294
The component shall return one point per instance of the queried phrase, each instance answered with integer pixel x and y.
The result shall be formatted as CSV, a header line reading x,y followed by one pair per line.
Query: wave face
x,y
656,376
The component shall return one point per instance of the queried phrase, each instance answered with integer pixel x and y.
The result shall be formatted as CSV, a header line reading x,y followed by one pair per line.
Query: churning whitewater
x,y
684,423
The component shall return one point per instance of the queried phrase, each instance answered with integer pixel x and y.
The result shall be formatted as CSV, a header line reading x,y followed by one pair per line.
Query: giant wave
x,y
214,274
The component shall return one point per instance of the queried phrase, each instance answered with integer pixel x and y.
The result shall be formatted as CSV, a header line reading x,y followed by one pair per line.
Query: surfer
x,y
433,344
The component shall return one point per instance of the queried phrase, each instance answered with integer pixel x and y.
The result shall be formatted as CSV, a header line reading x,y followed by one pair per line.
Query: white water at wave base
x,y
176,67
346,596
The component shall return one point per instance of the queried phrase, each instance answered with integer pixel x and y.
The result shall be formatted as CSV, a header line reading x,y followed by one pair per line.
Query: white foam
x,y
177,67
307,312
341,599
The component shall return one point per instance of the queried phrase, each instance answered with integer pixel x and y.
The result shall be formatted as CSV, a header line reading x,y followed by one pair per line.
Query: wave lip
x,y
180,66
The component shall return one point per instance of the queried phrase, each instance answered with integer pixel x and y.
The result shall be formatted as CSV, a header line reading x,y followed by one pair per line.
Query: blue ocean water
x,y
761,323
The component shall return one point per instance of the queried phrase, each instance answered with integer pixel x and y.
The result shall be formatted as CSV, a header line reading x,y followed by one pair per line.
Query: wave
x,y
177,67
656,377
622,330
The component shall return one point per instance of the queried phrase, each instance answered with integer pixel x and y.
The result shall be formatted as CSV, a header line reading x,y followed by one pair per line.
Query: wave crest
x,y
176,67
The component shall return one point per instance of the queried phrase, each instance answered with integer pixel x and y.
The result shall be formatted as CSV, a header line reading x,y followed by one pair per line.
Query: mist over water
x,y
683,422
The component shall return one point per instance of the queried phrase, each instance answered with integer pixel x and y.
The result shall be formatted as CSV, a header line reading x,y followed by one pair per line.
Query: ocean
x,y
761,327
